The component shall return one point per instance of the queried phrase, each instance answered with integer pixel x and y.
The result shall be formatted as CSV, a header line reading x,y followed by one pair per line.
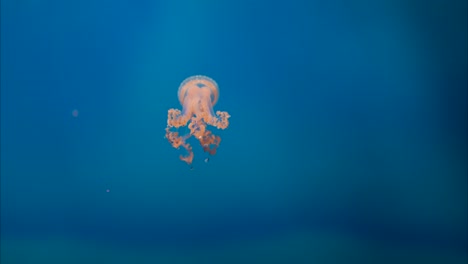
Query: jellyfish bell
x,y
203,83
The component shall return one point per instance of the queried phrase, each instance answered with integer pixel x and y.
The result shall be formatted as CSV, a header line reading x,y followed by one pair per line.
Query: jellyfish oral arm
x,y
175,118
221,120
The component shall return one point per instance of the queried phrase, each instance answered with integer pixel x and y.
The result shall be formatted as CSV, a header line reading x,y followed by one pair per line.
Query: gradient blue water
x,y
347,139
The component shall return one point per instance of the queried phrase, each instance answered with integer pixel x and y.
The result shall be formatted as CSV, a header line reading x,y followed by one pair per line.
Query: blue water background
x,y
347,141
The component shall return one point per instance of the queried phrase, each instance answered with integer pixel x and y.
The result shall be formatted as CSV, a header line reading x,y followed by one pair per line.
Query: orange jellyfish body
x,y
197,95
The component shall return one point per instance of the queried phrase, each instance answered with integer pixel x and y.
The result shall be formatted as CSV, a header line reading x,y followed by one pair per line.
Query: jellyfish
x,y
197,95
